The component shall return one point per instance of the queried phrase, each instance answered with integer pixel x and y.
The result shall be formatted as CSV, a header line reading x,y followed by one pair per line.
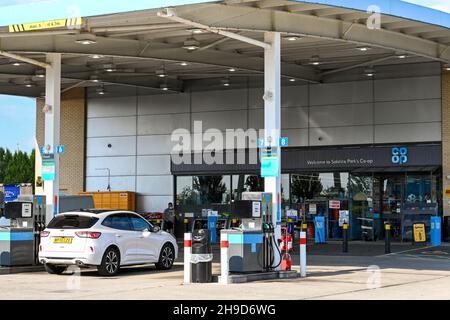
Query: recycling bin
x,y
201,258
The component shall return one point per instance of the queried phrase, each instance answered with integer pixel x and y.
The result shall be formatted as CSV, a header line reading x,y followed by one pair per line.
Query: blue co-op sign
x,y
399,155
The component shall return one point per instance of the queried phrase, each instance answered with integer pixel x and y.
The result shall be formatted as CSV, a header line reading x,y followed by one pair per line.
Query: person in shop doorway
x,y
169,218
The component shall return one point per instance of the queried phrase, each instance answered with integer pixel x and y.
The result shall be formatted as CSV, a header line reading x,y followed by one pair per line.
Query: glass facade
x,y
370,198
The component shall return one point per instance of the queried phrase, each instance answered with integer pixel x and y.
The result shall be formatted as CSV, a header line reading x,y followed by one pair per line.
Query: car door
x,y
123,236
147,243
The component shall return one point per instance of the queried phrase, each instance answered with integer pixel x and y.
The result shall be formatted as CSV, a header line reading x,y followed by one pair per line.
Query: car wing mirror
x,y
156,229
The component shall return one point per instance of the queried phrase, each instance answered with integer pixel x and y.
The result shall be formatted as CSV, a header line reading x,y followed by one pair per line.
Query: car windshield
x,y
72,222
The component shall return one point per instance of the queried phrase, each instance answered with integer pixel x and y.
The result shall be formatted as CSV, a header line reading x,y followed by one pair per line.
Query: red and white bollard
x,y
224,267
302,254
187,257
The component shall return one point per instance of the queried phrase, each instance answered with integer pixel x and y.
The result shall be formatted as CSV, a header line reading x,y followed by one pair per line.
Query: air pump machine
x,y
252,245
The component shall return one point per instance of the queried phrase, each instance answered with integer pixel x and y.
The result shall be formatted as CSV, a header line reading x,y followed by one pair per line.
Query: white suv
x,y
105,239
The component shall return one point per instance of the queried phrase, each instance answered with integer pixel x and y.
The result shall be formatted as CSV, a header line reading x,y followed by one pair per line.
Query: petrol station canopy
x,y
145,46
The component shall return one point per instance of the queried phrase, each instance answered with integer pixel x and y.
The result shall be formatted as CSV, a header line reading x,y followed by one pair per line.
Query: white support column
x,y
187,257
272,121
224,261
52,125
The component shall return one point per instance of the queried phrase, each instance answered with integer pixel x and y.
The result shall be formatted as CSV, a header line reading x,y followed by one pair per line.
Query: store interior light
x,y
164,87
86,41
232,69
447,67
184,64
402,56
16,64
292,80
96,56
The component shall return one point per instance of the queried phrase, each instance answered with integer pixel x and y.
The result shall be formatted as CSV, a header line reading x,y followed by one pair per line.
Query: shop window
x,y
246,183
201,190
419,189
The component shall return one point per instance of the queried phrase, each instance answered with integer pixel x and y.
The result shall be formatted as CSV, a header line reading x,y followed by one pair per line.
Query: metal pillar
x,y
272,122
52,126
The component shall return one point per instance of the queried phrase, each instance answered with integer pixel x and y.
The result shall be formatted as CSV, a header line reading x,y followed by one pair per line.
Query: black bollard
x,y
387,238
345,237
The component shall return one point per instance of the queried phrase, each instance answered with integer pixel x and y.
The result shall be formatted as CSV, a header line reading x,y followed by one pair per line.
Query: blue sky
x,y
17,114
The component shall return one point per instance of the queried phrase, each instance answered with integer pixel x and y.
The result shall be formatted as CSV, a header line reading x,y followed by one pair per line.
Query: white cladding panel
x,y
153,165
408,111
107,127
120,146
341,135
408,89
156,144
410,132
155,185
341,115
162,124
221,120
163,104
119,166
219,100
117,183
111,107
341,93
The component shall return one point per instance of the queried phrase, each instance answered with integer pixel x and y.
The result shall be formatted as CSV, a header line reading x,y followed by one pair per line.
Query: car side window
x,y
118,221
139,224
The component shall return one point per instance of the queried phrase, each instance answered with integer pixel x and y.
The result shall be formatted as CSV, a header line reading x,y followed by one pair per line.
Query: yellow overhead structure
x,y
49,24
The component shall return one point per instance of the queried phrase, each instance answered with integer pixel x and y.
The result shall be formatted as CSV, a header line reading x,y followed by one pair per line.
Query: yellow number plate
x,y
63,240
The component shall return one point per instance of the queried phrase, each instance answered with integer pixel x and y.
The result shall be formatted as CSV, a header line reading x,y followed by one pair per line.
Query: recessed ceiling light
x,y
292,80
101,91
370,72
164,87
184,64
402,56
191,44
161,72
232,69
447,67
315,60
29,84
86,41
109,67
291,38
363,48
40,74
16,64
226,82
196,30
94,78
96,56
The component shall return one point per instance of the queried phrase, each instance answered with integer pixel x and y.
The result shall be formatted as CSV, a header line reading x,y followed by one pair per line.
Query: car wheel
x,y
52,269
110,263
166,257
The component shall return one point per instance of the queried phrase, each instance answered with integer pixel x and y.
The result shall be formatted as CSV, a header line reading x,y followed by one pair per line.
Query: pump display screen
x,y
15,210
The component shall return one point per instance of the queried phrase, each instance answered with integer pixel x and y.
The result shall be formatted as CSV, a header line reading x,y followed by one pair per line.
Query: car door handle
x,y
118,236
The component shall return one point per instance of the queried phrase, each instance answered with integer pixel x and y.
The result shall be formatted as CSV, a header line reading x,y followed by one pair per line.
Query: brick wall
x,y
446,138
73,115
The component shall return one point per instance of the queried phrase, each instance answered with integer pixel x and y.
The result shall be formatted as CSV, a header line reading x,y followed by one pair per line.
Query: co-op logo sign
x,y
399,155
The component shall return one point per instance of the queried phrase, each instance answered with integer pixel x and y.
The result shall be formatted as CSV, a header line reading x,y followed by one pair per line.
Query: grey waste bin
x,y
201,261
